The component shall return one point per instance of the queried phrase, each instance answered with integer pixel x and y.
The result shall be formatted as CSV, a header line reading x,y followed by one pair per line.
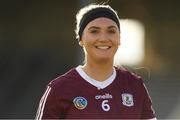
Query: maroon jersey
x,y
70,96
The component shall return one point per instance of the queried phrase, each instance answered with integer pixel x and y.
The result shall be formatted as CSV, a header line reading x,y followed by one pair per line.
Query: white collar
x,y
98,84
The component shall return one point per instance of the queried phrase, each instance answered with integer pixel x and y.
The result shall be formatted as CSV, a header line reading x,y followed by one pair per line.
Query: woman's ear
x,y
81,43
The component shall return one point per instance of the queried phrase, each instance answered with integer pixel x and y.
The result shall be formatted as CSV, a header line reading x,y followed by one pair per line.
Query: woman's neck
x,y
98,71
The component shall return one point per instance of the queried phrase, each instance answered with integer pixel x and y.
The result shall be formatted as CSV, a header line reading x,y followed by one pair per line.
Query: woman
x,y
97,89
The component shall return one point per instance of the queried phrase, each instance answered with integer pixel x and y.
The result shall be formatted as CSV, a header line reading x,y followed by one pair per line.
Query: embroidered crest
x,y
80,103
127,99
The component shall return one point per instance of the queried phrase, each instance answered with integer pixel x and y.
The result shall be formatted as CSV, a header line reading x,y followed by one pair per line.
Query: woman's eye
x,y
112,31
94,31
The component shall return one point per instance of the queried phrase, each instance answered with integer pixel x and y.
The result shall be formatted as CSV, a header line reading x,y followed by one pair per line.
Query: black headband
x,y
96,13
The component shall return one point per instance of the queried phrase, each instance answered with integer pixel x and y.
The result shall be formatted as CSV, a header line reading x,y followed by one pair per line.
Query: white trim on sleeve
x,y
42,104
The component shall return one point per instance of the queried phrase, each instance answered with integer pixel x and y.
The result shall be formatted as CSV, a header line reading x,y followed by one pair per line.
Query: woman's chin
x,y
105,59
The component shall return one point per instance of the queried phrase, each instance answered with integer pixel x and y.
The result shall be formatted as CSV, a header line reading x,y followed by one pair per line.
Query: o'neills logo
x,y
105,96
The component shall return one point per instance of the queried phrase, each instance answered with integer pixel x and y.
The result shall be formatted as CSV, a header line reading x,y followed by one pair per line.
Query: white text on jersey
x,y
105,96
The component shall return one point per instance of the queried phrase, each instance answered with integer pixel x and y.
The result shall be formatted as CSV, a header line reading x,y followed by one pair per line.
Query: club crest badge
x,y
127,99
80,103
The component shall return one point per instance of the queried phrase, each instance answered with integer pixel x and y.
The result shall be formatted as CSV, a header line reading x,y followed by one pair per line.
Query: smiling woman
x,y
100,40
97,89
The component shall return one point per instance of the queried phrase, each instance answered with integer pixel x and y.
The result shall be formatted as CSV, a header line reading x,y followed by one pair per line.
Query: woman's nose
x,y
103,37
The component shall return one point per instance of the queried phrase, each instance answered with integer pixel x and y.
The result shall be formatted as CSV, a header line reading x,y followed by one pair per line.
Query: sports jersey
x,y
75,95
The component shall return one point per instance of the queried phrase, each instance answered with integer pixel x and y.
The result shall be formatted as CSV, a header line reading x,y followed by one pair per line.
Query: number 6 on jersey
x,y
105,106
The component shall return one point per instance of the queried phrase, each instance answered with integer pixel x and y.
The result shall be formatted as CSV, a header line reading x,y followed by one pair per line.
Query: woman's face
x,y
100,39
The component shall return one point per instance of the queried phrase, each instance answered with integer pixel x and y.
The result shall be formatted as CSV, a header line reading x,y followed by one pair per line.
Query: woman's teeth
x,y
103,47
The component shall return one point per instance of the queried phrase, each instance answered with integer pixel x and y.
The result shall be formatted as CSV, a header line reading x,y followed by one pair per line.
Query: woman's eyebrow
x,y
109,27
112,26
93,27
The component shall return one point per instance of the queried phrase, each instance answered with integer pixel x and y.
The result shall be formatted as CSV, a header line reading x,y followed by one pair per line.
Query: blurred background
x,y
37,44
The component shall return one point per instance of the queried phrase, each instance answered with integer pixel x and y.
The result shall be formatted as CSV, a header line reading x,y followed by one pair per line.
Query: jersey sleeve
x,y
49,106
148,111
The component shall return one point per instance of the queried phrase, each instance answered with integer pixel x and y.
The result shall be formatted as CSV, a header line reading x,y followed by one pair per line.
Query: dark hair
x,y
91,12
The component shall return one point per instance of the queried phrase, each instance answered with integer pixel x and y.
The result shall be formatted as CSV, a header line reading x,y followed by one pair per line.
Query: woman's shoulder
x,y
65,79
128,75
65,84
